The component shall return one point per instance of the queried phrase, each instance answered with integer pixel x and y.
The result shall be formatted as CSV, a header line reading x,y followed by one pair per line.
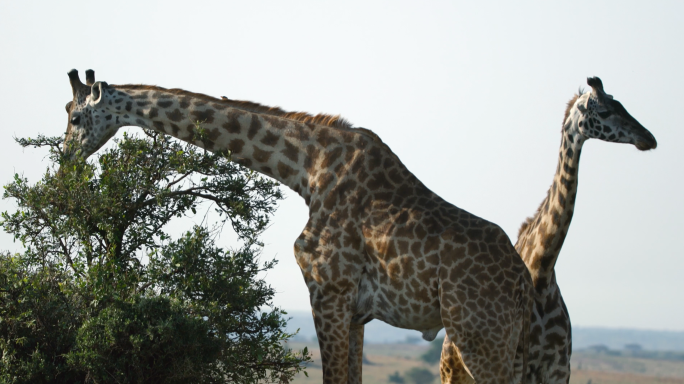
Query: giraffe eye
x,y
75,120
605,114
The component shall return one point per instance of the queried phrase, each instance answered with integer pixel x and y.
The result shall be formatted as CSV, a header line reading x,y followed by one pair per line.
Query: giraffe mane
x,y
526,224
568,108
571,103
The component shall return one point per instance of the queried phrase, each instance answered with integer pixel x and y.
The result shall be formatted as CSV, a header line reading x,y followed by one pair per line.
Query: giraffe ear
x,y
90,77
96,91
582,103
75,81
596,84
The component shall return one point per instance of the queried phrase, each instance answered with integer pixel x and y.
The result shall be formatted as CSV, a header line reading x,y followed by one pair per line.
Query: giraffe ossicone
x,y
378,243
588,115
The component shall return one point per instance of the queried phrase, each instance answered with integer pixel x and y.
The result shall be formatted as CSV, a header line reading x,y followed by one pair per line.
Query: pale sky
x,y
470,95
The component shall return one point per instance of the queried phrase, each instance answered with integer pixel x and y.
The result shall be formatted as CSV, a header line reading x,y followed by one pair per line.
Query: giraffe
x,y
588,115
378,243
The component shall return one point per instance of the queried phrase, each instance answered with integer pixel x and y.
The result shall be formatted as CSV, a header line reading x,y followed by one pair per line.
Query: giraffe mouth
x,y
646,143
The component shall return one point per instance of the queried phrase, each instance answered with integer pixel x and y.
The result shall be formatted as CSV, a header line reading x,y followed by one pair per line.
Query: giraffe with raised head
x,y
378,243
588,115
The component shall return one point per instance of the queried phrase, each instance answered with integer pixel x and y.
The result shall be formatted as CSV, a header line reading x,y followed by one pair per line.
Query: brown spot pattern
x,y
204,116
260,155
236,145
254,127
291,151
270,139
176,115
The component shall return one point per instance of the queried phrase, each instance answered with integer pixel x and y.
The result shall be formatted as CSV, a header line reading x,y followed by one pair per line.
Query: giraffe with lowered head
x,y
588,115
378,243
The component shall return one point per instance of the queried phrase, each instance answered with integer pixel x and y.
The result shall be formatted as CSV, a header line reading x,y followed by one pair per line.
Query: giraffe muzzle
x,y
645,141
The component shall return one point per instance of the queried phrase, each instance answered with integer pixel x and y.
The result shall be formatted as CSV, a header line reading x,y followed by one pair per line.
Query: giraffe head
x,y
90,124
599,116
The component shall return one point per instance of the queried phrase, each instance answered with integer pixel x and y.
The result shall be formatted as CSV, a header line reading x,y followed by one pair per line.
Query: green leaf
x,y
104,278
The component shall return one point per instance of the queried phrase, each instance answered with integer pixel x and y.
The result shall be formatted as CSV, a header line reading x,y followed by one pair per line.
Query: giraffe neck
x,y
263,139
542,236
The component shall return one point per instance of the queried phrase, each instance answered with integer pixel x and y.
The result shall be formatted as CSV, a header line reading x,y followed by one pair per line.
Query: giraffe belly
x,y
406,309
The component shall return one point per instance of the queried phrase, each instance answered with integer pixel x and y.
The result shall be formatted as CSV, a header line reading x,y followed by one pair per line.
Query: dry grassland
x,y
385,359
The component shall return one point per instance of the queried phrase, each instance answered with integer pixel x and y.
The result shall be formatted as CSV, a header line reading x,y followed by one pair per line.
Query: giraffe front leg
x,y
332,318
451,368
355,353
332,276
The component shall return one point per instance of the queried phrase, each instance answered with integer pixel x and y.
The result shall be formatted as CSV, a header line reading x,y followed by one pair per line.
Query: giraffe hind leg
x,y
451,367
486,344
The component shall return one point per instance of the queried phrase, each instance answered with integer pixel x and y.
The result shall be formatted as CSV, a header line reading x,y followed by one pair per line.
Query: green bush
x,y
38,323
103,294
396,378
137,342
419,376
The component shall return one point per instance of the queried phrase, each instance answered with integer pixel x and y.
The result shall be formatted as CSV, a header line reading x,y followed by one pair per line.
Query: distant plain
x,y
386,359
602,355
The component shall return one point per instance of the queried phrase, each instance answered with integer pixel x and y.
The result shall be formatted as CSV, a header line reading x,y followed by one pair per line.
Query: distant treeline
x,y
621,339
633,350
582,338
